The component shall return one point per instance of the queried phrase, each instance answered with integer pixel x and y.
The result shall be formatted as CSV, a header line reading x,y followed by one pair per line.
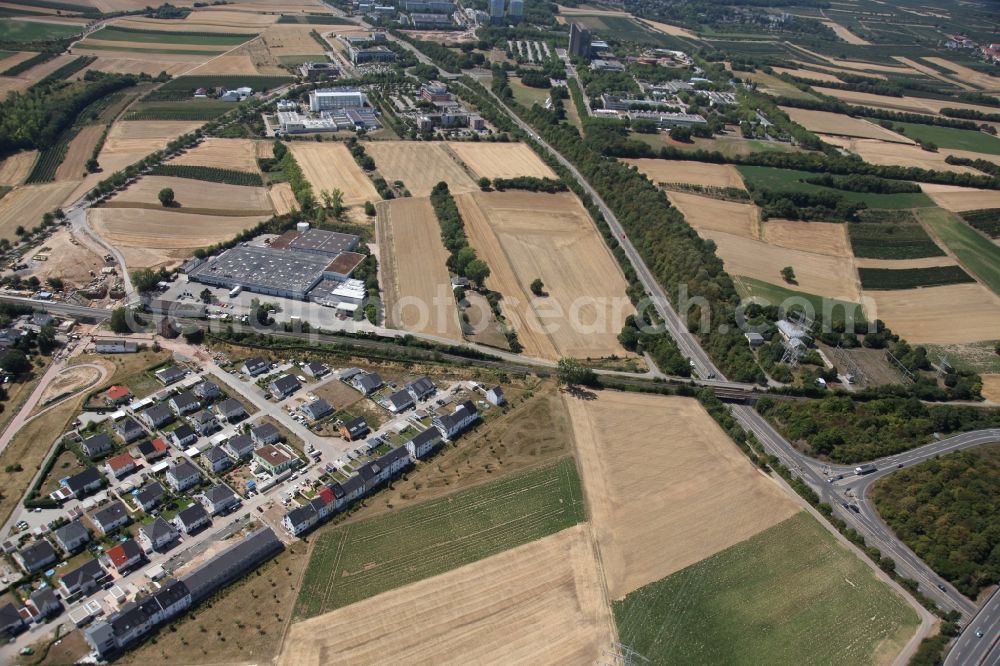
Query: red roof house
x,y
117,395
121,464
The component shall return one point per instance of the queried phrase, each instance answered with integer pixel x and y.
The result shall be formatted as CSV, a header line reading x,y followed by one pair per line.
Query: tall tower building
x,y
496,11
579,41
516,10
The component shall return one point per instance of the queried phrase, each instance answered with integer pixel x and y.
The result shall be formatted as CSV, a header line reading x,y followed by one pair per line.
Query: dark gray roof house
x,y
71,536
255,366
217,459
314,369
399,401
85,482
207,390
185,402
265,433
192,518
36,556
231,409
170,375
183,475
129,430
150,495
11,623
82,579
157,415
110,517
233,562
184,435
46,602
284,385
317,409
421,388
240,446
96,445
354,429
367,382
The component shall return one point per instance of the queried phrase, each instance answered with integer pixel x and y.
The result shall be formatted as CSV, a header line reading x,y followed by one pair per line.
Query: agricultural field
x,y
948,138
151,64
538,603
169,37
25,205
658,508
527,235
909,104
884,153
420,165
527,95
362,559
791,180
961,199
194,196
772,85
929,315
728,145
772,294
330,166
200,109
413,263
708,215
500,160
15,168
985,220
824,122
684,171
767,600
282,198
203,21
974,251
235,154
17,30
130,141
889,239
976,78
813,75
911,278
820,237
78,152
208,174
622,26
291,40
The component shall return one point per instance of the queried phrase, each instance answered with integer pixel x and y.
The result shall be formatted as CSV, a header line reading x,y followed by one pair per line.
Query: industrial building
x,y
424,20
363,55
496,11
428,6
293,122
316,71
516,12
328,99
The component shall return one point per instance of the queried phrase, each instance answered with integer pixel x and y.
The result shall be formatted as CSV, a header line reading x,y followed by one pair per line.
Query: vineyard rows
x,y
911,278
202,110
209,174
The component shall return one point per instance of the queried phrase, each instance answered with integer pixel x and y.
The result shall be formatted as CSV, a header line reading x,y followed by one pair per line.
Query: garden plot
x,y
707,214
951,314
684,171
130,141
25,205
15,169
960,199
417,287
235,154
420,165
330,166
540,603
884,153
194,196
665,486
500,160
825,122
527,235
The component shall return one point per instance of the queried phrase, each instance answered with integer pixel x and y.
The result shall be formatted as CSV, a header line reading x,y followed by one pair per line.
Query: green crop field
x,y
986,220
14,30
791,180
911,278
789,595
949,137
162,37
890,240
208,174
362,559
198,109
773,294
313,19
976,252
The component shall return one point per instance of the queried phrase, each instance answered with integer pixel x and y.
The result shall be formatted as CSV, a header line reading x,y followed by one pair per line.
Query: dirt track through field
x,y
541,603
418,294
665,486
686,171
528,235
420,165
330,166
500,160
950,314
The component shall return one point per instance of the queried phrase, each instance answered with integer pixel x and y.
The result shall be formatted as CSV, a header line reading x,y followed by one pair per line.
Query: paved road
x,y
970,649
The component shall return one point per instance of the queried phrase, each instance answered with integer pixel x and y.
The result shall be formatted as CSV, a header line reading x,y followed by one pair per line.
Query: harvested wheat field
x,y
528,235
923,262
979,79
14,169
415,279
991,388
198,21
812,75
285,40
330,166
25,205
950,314
16,59
884,153
151,238
145,63
665,486
282,198
819,237
10,84
707,214
854,65
540,603
923,105
845,34
959,199
836,70
500,160
818,274
78,152
235,154
130,141
194,196
420,165
825,122
232,63
685,171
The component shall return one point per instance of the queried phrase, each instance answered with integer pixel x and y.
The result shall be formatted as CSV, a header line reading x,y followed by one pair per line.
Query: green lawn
x,y
776,295
979,255
14,30
791,180
526,95
296,60
950,137
155,37
789,595
363,559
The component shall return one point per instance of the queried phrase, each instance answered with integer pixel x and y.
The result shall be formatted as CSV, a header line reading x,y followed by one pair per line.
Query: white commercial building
x,y
328,99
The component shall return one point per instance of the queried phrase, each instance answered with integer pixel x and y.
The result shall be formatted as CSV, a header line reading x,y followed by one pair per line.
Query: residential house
x,y
496,397
97,445
754,339
421,388
170,375
273,459
115,346
184,403
45,603
157,415
183,435
120,465
300,519
207,390
11,623
136,618
82,580
315,370
394,462
36,556
317,409
218,499
117,395
255,366
157,535
399,401
129,430
71,536
424,442
347,374
367,382
85,482
154,449
150,495
458,421
110,518
192,518
204,423
231,410
182,476
217,460
284,386
265,433
354,429
125,555
239,447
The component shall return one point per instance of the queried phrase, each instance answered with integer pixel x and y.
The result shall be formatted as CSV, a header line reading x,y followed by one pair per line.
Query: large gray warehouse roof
x,y
264,267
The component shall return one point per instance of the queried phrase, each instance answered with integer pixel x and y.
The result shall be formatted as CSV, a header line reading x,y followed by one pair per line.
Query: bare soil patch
x,y
418,293
26,204
420,165
665,486
79,151
196,194
819,237
501,160
538,603
991,387
707,214
951,314
528,235
236,154
330,166
129,141
685,171
70,379
67,258
825,122
16,168
845,34
959,199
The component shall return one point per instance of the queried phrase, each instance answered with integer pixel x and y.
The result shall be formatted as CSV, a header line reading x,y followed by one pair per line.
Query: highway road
x,y
973,649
